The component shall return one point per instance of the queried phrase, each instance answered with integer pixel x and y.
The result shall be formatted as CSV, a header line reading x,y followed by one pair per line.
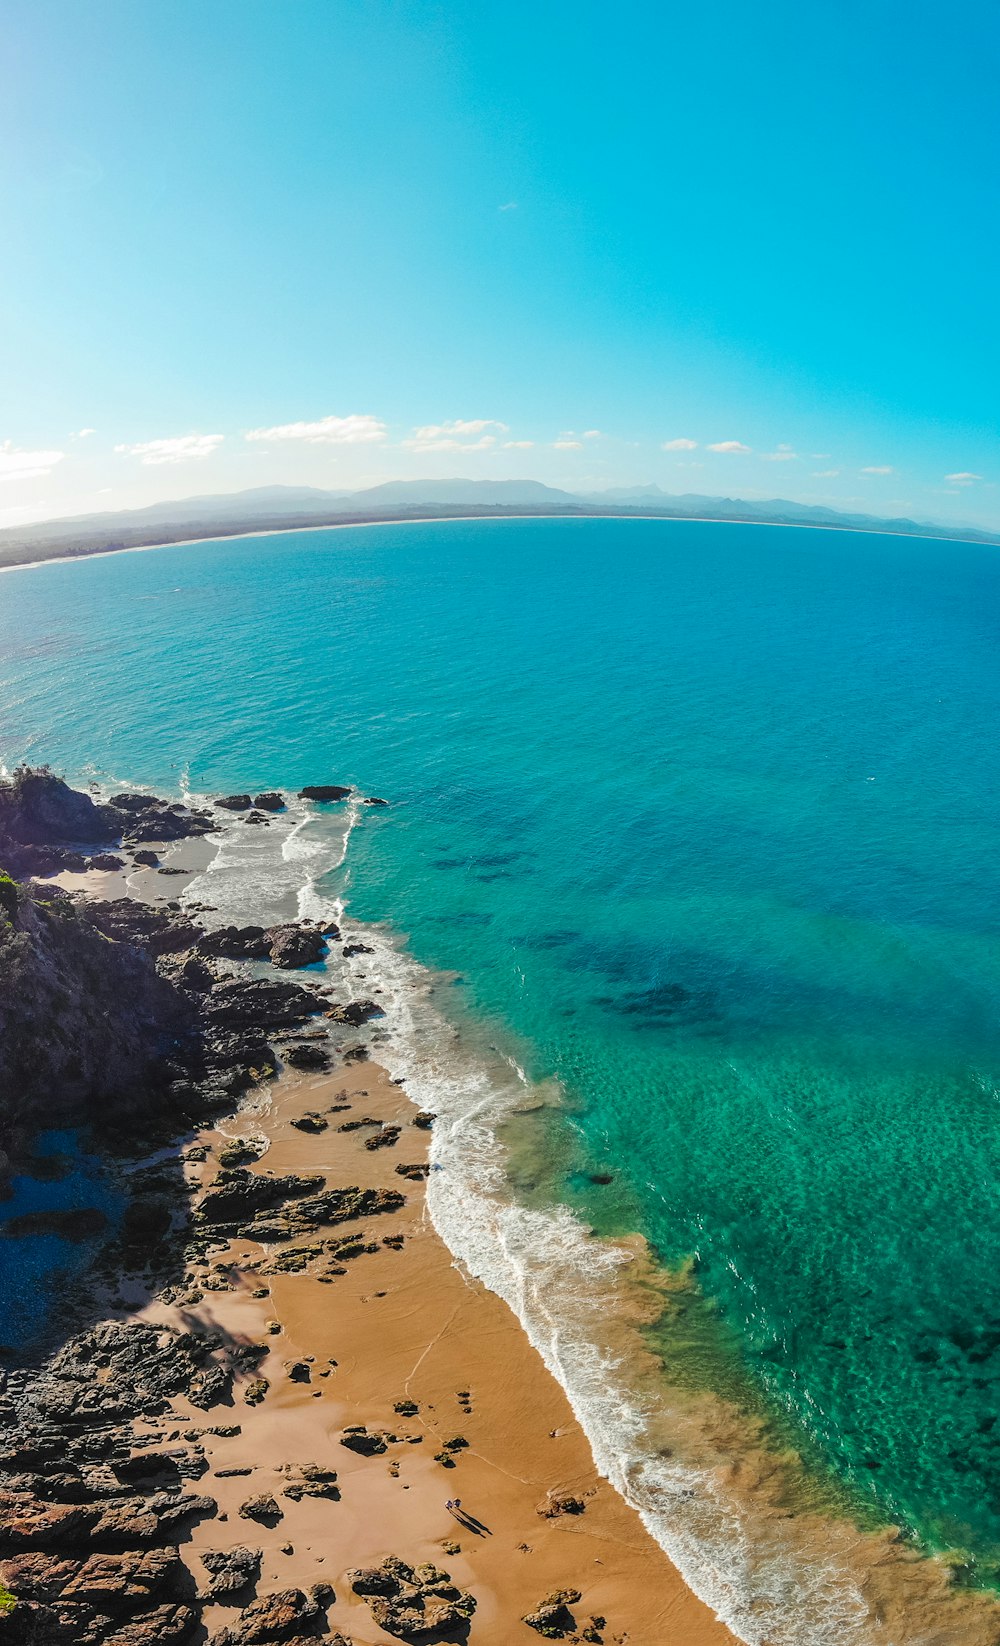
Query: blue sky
x,y
557,238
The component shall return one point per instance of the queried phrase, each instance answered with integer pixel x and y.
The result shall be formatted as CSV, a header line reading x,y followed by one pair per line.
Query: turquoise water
x,y
705,816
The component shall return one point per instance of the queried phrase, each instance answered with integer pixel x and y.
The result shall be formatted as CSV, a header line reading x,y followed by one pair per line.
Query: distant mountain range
x,y
283,508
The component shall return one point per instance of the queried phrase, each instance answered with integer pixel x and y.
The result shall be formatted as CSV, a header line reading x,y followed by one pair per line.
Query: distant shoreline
x,y
411,519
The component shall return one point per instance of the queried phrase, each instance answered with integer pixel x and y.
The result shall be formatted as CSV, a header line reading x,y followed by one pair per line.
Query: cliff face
x,y
84,1022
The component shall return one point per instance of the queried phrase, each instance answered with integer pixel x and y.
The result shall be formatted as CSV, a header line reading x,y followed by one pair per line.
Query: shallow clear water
x,y
705,817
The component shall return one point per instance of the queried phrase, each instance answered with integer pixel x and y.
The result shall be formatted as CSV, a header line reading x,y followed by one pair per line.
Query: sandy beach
x,y
401,1324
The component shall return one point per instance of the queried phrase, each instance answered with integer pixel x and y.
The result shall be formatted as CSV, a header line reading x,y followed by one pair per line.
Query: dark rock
x,y
290,1615
235,802
37,808
424,1119
106,861
271,801
158,931
307,1057
415,1171
237,1195
412,1603
310,1122
358,1439
235,943
84,1223
373,800
263,1507
356,1012
385,1138
350,949
262,1002
296,945
552,1617
561,1503
231,1570
146,859
324,791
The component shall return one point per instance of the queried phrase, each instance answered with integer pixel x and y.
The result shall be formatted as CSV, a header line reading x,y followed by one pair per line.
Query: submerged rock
x,y
324,791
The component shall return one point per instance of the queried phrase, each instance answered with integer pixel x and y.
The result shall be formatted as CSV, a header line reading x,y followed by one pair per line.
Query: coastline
x,y
812,1577
439,1331
445,519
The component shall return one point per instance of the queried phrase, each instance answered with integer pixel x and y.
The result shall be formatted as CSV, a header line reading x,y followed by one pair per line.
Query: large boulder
x,y
324,791
37,808
296,946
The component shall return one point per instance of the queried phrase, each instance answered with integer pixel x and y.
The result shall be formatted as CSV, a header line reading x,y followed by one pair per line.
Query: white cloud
x,y
781,454
736,446
965,478
22,465
592,434
874,468
826,474
180,449
453,436
511,205
568,445
358,429
517,445
82,434
681,445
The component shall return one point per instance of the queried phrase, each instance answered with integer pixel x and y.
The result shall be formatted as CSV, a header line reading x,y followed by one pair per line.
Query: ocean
x,y
685,915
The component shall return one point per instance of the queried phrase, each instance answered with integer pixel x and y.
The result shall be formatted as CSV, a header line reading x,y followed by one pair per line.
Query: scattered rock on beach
x,y
552,1617
263,1507
270,801
231,1570
412,1603
560,1503
289,1615
235,802
146,859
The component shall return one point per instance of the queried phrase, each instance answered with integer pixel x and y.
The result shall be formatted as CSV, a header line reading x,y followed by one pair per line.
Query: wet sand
x,y
405,1325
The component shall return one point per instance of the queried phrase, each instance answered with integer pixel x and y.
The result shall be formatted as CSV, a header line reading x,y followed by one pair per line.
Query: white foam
x,y
559,1281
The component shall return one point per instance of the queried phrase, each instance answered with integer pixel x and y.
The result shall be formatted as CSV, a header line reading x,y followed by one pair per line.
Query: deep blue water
x,y
707,818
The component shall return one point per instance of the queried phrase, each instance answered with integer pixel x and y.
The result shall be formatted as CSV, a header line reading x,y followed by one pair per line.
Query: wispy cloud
x,y
357,429
509,205
734,446
825,474
178,450
517,445
82,434
781,454
680,445
878,468
964,478
592,434
454,436
564,445
26,465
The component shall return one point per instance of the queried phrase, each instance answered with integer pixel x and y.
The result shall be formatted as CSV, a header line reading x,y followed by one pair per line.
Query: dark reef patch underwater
x,y
705,818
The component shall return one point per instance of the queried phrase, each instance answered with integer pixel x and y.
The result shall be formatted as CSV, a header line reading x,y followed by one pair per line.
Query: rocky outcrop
x,y
231,1571
296,945
270,801
235,802
412,1602
552,1618
84,1024
89,1521
290,1615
